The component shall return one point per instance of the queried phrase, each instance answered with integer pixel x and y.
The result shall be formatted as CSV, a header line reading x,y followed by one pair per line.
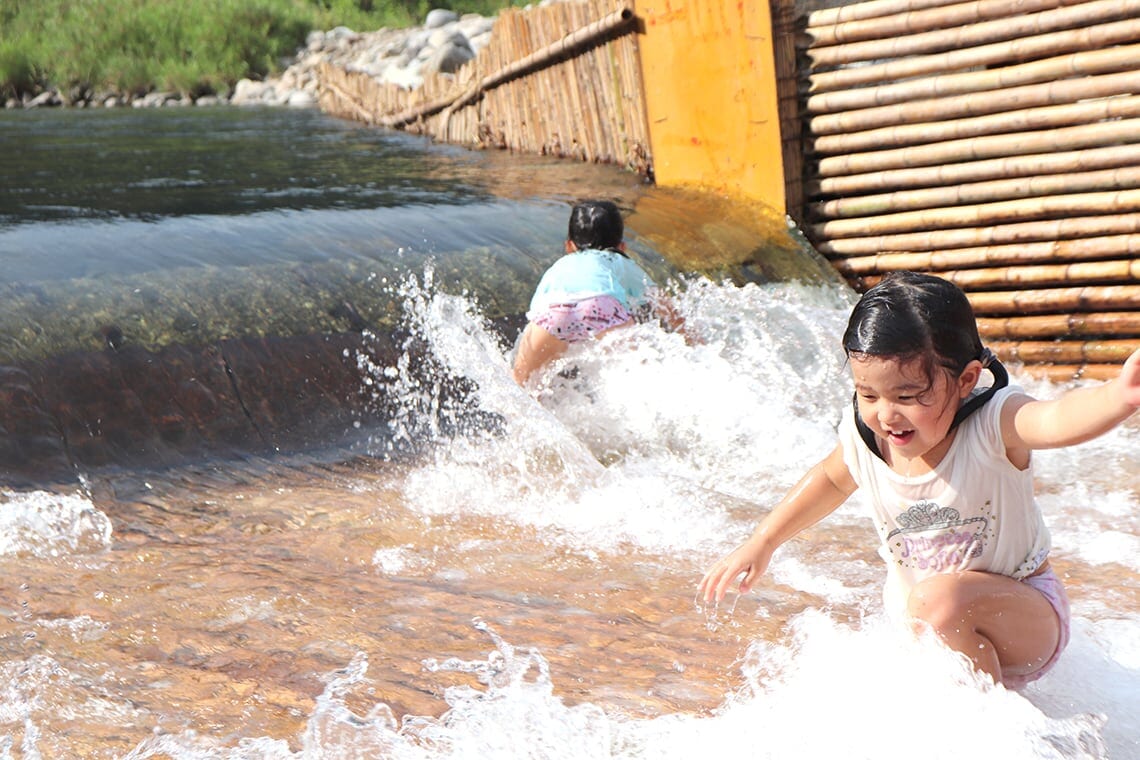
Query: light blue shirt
x,y
589,273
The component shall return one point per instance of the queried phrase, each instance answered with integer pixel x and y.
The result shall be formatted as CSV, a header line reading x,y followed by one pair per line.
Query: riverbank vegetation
x,y
189,46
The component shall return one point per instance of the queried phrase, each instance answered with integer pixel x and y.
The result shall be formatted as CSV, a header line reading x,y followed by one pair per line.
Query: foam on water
x,y
829,691
687,431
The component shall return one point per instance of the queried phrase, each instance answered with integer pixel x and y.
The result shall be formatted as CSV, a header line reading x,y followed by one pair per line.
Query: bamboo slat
x,y
871,9
1069,352
1046,275
1124,201
964,106
1015,233
990,146
972,35
1019,120
924,20
1060,373
1087,37
1065,300
1093,159
1050,325
1124,178
1081,249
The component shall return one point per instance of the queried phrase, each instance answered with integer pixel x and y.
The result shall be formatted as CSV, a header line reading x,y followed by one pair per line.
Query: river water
x,y
420,588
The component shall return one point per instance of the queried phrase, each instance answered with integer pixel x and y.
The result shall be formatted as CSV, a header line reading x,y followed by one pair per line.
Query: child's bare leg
x,y
1003,626
536,348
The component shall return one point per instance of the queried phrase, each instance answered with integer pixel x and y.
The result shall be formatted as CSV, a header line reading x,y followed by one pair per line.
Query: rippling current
x,y
398,583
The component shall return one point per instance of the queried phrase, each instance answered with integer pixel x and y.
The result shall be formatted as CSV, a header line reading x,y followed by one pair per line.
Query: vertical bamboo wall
x,y
995,143
559,80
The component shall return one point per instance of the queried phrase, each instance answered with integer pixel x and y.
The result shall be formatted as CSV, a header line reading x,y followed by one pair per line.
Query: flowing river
x,y
337,529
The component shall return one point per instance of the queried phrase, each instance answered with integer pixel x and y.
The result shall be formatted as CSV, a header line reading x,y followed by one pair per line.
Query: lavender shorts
x,y
1050,585
582,320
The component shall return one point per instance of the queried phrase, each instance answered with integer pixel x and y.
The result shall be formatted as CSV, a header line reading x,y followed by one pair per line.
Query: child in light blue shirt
x,y
591,290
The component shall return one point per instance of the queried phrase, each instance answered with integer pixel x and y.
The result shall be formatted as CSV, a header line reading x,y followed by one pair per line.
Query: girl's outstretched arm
x,y
814,497
1074,417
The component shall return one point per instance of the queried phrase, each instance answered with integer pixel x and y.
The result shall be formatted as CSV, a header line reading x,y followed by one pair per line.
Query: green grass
x,y
190,46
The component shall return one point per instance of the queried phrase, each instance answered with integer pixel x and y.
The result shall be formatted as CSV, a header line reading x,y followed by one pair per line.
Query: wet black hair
x,y
910,315
597,225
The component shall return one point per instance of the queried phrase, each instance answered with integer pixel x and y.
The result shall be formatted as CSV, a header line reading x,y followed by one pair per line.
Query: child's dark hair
x,y
911,315
919,316
597,225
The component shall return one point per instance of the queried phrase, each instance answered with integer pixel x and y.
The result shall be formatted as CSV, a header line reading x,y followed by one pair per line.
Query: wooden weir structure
x,y
995,143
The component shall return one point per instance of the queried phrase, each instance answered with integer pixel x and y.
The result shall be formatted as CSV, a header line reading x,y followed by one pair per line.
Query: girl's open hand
x,y
748,558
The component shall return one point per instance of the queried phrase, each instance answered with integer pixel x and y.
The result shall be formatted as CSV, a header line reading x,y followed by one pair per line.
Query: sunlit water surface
x,y
529,592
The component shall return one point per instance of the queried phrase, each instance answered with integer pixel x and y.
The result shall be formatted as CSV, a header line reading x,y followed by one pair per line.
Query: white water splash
x,y
861,692
43,524
671,448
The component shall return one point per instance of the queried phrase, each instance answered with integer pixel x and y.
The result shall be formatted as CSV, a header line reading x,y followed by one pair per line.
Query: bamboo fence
x,y
995,143
562,80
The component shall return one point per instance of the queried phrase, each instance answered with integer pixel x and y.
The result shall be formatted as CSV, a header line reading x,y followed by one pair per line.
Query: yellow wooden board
x,y
710,92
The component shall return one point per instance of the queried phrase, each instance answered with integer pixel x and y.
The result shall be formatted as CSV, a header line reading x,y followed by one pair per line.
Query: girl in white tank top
x,y
948,471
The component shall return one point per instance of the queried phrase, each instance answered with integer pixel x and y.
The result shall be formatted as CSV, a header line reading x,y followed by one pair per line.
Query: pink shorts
x,y
582,320
1050,585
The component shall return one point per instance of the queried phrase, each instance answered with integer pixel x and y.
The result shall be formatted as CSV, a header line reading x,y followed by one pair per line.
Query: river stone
x,y
247,92
448,57
301,99
440,17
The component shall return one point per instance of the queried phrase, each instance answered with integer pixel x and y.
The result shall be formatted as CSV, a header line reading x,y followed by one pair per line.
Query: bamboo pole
x,y
1084,352
1060,373
1075,299
1049,325
1020,120
990,146
343,99
1124,178
1087,37
1123,201
868,10
1093,159
1082,249
962,106
908,22
1016,233
1046,275
1080,64
886,47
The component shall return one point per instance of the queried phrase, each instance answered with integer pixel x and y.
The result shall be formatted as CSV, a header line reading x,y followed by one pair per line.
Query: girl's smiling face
x,y
907,408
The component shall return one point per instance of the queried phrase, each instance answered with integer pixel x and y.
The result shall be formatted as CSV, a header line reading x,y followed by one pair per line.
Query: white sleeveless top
x,y
974,511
